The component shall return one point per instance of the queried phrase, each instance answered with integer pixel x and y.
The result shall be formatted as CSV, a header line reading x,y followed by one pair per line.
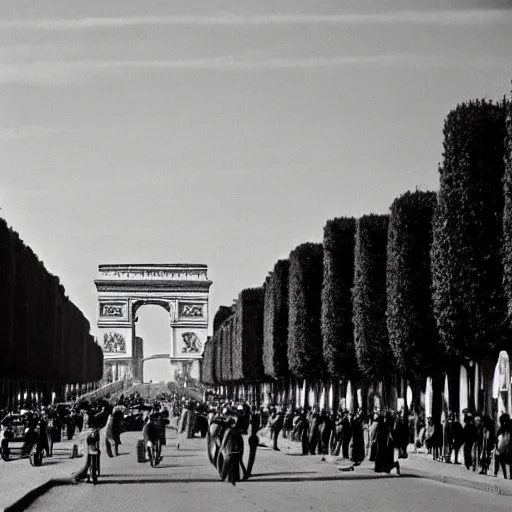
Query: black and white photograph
x,y
256,255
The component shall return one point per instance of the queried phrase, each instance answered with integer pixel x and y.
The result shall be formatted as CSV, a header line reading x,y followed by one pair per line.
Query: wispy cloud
x,y
65,72
46,73
466,17
25,132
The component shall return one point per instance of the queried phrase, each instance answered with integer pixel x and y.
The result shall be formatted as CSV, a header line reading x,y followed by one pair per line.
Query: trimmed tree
x,y
507,218
218,359
371,340
247,346
410,315
338,280
208,376
7,298
467,271
275,322
305,351
223,313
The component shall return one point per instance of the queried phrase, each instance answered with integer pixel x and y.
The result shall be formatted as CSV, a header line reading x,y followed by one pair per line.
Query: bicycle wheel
x,y
5,453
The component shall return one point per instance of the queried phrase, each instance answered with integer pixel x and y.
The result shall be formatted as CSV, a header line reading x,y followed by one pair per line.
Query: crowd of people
x,y
378,436
381,437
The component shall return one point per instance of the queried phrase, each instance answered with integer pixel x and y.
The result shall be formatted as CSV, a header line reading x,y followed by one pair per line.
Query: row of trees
x,y
44,337
410,294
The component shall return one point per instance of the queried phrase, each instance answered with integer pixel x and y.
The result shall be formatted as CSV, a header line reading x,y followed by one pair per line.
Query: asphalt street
x,y
185,481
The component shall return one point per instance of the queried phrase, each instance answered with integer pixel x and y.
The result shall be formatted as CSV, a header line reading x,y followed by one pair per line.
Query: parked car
x,y
17,425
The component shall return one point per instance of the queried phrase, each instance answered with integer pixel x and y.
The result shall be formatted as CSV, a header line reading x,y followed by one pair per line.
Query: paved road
x,y
186,482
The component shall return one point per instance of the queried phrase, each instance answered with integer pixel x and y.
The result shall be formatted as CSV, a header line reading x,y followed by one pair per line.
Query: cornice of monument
x,y
103,285
157,275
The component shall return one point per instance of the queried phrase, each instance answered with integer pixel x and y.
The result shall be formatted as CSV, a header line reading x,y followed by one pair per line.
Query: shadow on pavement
x,y
257,475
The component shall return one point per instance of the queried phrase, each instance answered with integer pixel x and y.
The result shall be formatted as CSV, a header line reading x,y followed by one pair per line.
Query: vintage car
x,y
16,424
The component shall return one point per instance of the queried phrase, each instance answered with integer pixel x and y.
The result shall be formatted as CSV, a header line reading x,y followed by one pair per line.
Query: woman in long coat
x,y
385,448
356,447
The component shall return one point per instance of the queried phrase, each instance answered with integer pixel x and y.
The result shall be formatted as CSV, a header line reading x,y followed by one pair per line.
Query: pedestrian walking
x,y
276,427
469,436
356,447
385,448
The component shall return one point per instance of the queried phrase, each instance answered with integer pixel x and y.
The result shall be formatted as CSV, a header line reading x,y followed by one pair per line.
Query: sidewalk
x,y
20,481
419,465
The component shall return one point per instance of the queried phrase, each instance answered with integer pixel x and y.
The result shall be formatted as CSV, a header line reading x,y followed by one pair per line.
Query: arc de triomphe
x,y
182,289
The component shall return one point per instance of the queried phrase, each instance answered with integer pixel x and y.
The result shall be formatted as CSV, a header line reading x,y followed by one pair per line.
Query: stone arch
x,y
181,289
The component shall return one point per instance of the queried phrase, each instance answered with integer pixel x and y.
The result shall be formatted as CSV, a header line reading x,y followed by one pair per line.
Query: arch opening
x,y
152,334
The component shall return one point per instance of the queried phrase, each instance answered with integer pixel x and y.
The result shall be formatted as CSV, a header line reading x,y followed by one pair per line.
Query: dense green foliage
x,y
247,346
467,271
275,322
369,297
305,351
44,337
338,280
410,316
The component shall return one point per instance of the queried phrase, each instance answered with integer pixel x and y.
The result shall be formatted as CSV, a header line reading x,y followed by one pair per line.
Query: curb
x,y
484,486
459,482
32,495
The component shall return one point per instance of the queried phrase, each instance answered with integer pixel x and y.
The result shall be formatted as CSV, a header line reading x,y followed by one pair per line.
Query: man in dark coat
x,y
304,432
346,429
469,437
356,447
314,421
118,417
487,444
456,436
401,435
276,427
325,427
385,449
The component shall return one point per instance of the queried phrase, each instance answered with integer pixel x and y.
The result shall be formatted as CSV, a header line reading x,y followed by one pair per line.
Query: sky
x,y
225,132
